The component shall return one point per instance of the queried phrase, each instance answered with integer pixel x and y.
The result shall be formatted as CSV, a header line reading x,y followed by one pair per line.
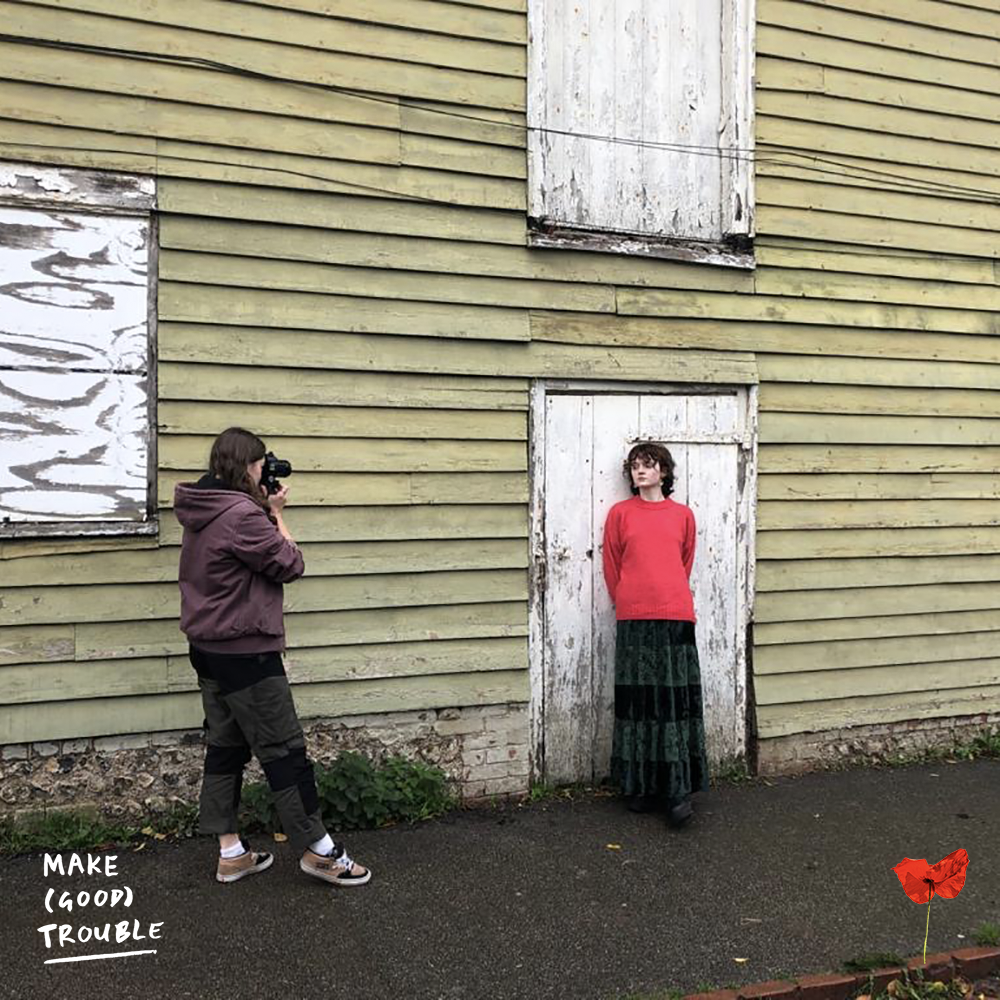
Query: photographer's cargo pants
x,y
249,710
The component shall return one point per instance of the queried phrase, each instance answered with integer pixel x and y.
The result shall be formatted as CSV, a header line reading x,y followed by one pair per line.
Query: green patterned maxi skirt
x,y
659,738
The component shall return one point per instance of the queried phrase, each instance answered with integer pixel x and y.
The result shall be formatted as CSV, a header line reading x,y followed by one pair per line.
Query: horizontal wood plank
x,y
886,457
373,247
164,712
322,559
930,374
833,629
323,210
301,30
328,629
876,601
911,652
379,522
845,514
845,486
777,308
329,422
116,602
835,343
805,688
350,70
67,681
837,543
785,720
380,283
822,574
387,489
500,21
196,303
181,341
866,26
922,402
178,381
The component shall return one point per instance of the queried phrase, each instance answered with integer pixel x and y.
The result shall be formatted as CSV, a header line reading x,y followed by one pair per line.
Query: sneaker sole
x,y
336,879
236,876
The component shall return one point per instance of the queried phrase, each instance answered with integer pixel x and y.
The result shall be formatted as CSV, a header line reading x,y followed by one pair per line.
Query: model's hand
x,y
278,500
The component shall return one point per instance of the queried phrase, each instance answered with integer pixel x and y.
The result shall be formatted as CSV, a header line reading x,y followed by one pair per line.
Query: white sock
x,y
232,852
324,846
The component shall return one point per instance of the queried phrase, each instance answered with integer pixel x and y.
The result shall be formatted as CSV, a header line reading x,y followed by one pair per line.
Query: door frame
x,y
539,391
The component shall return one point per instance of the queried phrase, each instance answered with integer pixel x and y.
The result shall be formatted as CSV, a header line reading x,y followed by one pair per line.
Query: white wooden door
x,y
582,443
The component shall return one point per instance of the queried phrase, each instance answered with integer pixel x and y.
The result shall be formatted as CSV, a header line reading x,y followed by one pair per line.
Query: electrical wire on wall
x,y
779,156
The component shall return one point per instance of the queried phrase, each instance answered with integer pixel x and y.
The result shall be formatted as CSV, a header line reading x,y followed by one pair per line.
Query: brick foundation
x,y
483,750
970,963
814,751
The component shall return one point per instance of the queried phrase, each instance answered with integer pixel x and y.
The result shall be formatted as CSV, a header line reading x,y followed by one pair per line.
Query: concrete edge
x,y
970,963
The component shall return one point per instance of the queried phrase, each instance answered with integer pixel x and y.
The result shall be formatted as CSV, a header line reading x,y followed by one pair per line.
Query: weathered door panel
x,y
586,439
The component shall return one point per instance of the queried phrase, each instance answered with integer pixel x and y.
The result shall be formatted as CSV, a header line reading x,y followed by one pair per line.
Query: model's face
x,y
255,470
646,473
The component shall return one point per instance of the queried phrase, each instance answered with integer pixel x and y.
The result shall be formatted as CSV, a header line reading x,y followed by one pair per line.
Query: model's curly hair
x,y
232,451
650,451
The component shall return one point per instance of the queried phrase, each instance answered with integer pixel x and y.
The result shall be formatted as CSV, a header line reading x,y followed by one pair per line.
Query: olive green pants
x,y
249,711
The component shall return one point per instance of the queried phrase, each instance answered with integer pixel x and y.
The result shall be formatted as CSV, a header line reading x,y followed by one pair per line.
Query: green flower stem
x,y
927,929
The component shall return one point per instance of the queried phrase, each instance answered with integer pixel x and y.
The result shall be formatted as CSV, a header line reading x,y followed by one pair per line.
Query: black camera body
x,y
273,468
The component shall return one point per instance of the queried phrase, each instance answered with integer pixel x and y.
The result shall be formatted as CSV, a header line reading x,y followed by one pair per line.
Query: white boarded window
x,y
640,117
76,344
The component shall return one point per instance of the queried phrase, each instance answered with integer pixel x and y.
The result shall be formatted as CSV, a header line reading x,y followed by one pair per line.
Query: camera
x,y
273,468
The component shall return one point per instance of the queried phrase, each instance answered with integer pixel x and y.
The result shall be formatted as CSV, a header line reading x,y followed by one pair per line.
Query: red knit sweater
x,y
648,555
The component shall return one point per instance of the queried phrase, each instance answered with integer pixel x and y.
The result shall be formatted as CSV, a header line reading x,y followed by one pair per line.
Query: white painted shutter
x,y
74,350
671,80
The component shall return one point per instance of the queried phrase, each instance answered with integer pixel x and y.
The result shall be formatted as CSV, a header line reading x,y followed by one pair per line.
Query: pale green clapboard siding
x,y
128,602
876,542
323,559
363,490
787,719
111,640
128,714
814,574
181,383
353,266
917,678
342,240
833,629
498,517
830,657
72,146
68,680
114,640
303,30
279,58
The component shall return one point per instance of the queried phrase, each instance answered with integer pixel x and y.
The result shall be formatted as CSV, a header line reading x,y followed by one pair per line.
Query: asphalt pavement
x,y
555,899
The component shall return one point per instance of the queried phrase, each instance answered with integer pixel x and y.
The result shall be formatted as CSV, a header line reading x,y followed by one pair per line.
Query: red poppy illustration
x,y
921,881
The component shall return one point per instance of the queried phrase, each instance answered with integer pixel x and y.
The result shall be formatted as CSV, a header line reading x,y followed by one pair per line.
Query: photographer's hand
x,y
277,504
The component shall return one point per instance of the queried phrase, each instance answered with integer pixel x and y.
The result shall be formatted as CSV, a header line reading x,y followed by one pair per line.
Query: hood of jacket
x,y
197,505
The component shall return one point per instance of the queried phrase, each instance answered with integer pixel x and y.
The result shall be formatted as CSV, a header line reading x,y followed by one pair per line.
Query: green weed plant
x,y
355,794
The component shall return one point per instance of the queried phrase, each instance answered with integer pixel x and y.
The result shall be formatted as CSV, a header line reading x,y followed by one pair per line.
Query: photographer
x,y
235,555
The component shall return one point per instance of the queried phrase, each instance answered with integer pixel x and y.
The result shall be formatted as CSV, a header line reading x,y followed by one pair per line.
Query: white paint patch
x,y
672,81
74,424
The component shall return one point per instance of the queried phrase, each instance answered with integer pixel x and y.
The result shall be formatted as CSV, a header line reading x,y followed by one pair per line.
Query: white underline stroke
x,y
95,958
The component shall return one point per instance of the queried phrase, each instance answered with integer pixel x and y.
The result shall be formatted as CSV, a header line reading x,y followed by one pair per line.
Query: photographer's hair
x,y
232,451
650,451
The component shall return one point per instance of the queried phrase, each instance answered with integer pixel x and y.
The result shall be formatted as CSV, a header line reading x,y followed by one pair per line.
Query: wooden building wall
x,y
343,268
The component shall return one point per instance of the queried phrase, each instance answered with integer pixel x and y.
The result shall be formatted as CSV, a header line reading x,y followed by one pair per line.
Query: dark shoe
x,y
642,803
248,863
680,814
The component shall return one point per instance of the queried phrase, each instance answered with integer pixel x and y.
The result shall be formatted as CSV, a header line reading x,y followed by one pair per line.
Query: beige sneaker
x,y
337,868
247,863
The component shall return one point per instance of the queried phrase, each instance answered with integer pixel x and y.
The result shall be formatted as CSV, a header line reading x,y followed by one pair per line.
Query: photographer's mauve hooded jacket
x,y
233,564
